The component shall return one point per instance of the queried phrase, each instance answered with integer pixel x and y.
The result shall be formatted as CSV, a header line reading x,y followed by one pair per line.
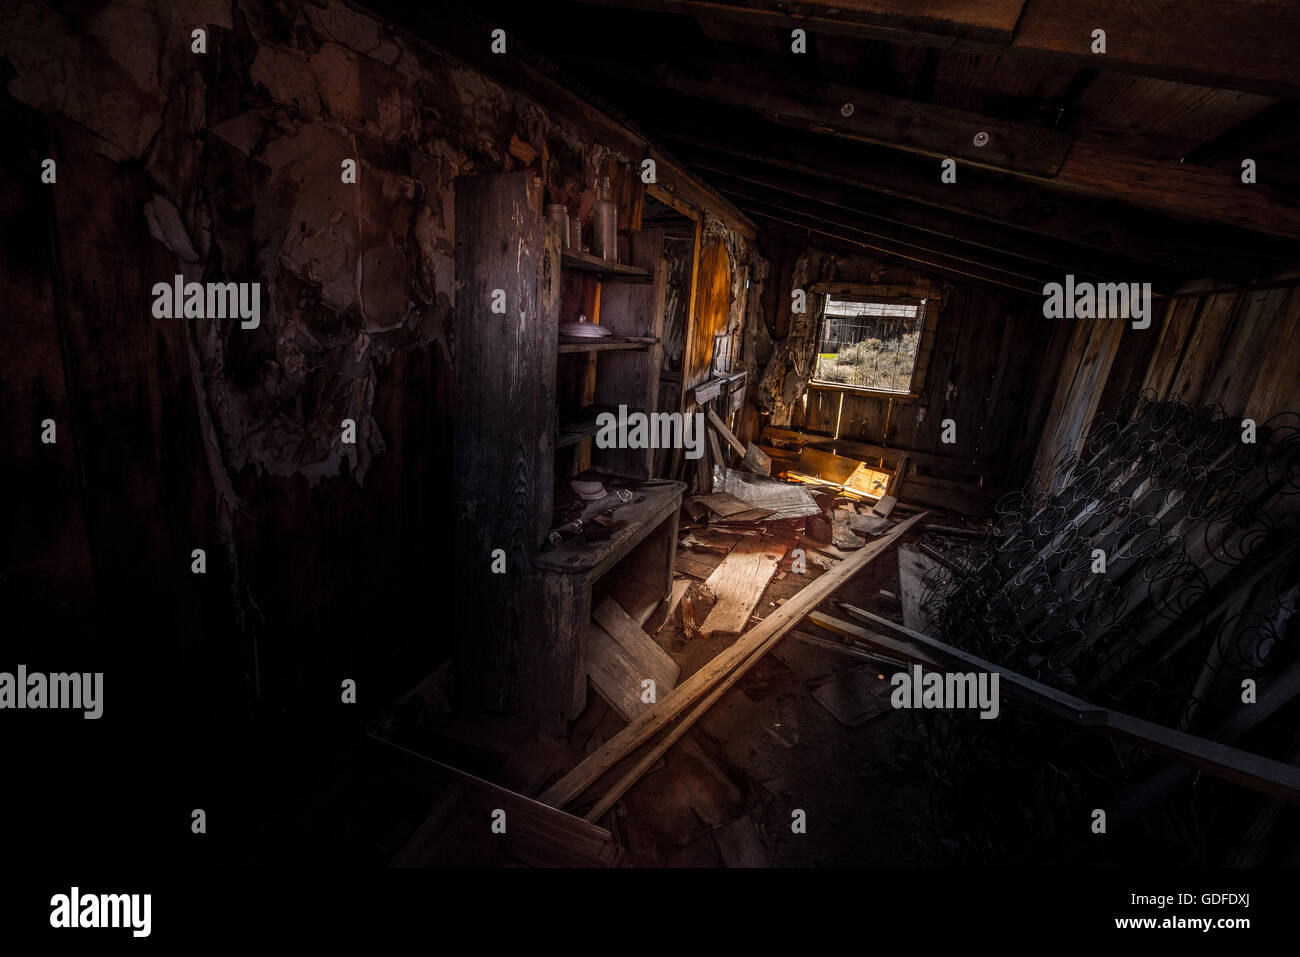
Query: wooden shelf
x,y
647,510
603,344
603,268
572,433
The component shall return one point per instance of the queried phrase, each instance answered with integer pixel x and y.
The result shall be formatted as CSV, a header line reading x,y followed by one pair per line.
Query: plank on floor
x,y
620,656
913,565
738,584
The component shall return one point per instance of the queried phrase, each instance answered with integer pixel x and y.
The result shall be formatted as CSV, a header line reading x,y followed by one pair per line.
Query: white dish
x,y
588,330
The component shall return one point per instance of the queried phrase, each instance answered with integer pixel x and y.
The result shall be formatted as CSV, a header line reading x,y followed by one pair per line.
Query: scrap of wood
x,y
719,675
750,515
1240,767
738,582
885,505
674,598
869,524
725,432
957,530
722,503
652,661
913,566
842,536
689,628
756,460
693,567
696,543
899,476
849,649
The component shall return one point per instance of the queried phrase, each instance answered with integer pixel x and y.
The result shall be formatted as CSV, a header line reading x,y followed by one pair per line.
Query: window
x,y
869,345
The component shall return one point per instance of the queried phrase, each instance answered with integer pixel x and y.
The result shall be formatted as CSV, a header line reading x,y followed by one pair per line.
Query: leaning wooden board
x,y
620,656
738,583
722,669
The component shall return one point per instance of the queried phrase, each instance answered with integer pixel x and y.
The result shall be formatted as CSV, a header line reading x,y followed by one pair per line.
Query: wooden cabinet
x,y
524,630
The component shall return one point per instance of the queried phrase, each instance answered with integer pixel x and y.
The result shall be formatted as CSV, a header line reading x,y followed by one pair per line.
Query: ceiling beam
x,y
924,259
1177,188
1227,44
741,181
844,242
889,237
924,128
1196,250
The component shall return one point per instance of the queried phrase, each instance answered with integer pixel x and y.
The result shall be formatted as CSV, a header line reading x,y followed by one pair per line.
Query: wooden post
x,y
504,448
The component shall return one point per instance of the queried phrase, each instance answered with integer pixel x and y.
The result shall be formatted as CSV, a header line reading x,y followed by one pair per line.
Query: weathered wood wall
x,y
993,354
1228,349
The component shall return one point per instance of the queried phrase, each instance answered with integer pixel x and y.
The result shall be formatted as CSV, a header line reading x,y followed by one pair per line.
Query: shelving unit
x,y
526,630
574,344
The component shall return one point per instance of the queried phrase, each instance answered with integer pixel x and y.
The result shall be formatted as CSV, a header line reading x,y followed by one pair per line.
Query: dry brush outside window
x,y
869,345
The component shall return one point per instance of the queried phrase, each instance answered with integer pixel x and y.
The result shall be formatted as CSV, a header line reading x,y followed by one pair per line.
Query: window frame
x,y
929,307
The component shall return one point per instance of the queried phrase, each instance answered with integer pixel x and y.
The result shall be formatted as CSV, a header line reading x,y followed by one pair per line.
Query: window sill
x,y
862,390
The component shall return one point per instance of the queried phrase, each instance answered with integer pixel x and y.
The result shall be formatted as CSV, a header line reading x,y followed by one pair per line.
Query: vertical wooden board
x,y
913,565
1041,394
1254,336
738,584
1205,346
1180,320
502,465
1277,386
712,308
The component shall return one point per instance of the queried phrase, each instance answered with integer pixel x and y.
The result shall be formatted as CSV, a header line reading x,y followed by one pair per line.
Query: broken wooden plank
x,y
725,432
616,674
651,660
913,566
722,503
674,598
738,583
855,651
693,566
719,674
900,474
756,460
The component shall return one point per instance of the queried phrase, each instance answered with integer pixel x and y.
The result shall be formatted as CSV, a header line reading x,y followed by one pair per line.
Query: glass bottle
x,y
605,222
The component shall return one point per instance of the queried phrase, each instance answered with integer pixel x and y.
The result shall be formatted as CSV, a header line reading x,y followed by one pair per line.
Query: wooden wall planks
x,y
992,352
1227,349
